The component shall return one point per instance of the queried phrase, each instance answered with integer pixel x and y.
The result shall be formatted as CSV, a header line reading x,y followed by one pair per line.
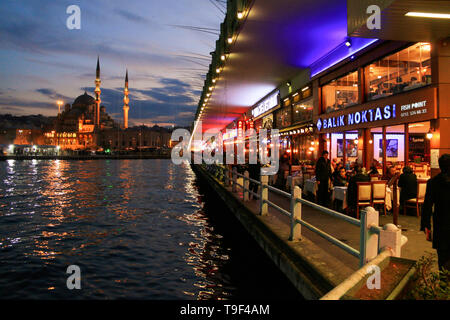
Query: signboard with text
x,y
416,106
267,104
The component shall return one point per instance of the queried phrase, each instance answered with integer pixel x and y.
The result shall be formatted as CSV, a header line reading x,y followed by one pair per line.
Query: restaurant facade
x,y
389,104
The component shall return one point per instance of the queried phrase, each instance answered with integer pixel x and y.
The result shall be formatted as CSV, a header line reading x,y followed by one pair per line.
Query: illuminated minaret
x,y
97,94
126,100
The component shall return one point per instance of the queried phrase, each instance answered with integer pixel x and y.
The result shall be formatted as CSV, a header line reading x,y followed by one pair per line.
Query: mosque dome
x,y
84,99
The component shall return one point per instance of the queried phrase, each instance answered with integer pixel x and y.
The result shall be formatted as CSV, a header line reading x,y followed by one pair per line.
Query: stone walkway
x,y
332,260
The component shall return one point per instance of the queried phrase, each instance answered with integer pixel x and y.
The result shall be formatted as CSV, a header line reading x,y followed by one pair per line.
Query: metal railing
x,y
373,239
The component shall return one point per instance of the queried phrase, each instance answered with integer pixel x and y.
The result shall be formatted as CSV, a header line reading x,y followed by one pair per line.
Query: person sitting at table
x,y
408,183
340,180
374,167
391,176
352,187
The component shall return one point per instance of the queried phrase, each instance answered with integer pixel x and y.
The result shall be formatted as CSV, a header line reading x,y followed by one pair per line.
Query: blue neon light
x,y
339,54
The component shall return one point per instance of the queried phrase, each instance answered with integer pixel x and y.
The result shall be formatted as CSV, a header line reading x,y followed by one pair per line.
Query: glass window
x,y
284,117
341,93
303,111
405,70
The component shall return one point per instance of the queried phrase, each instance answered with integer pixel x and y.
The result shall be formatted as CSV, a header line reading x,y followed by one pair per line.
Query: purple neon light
x,y
339,54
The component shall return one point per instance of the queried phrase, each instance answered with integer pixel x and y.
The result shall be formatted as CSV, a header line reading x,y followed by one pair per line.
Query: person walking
x,y
323,175
437,195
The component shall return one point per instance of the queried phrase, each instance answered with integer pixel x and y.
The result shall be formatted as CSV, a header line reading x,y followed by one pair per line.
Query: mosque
x,y
85,125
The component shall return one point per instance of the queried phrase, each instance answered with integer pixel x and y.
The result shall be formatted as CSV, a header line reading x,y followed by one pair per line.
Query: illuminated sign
x,y
240,130
230,134
360,117
267,104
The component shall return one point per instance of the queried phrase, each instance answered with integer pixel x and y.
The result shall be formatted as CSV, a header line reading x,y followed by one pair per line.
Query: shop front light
x,y
240,15
428,15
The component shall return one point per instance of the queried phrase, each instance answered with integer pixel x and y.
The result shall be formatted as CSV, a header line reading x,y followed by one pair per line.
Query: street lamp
x,y
59,103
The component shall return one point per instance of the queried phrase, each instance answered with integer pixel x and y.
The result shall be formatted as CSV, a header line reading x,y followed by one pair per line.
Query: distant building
x,y
85,125
136,138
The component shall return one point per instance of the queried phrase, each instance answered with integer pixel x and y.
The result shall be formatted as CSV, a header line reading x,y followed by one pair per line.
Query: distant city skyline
x,y
42,61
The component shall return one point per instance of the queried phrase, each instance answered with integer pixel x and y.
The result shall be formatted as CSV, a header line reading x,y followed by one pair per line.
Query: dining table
x,y
311,186
293,181
340,193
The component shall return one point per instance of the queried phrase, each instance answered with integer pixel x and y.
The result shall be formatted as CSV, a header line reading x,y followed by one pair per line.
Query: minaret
x,y
126,100
97,94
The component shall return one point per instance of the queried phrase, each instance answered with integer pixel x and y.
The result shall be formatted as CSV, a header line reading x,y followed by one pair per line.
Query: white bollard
x,y
246,186
391,238
264,195
368,246
296,214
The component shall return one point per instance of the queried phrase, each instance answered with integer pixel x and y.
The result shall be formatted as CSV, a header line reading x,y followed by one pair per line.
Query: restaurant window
x,y
284,117
303,111
341,93
419,143
402,71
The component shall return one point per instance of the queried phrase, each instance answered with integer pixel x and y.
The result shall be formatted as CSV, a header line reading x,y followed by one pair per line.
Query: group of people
x,y
338,175
435,207
330,173
437,197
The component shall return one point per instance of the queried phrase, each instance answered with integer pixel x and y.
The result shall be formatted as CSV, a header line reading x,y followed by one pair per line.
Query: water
x,y
138,229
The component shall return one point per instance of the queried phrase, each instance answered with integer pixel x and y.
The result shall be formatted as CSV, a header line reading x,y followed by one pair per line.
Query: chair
x,y
363,195
379,193
419,200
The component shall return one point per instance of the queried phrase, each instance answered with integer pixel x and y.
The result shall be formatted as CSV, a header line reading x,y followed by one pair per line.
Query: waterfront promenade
x,y
333,264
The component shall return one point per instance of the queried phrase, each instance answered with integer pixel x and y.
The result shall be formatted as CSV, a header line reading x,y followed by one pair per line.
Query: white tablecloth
x,y
294,181
311,186
340,193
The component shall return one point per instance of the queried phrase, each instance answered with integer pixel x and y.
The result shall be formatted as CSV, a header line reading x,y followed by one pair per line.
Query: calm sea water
x,y
138,229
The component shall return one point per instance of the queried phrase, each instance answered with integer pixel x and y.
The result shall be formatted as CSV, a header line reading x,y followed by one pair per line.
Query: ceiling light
x,y
428,15
305,88
230,40
348,43
222,57
218,70
214,80
240,15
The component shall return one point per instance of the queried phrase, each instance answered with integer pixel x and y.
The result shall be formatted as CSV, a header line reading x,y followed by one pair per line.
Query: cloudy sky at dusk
x,y
41,60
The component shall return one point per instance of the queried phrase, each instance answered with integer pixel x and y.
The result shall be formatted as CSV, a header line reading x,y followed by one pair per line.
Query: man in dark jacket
x,y
438,194
408,183
352,186
323,175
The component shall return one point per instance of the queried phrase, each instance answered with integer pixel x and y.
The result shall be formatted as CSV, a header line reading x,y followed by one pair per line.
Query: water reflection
x,y
137,228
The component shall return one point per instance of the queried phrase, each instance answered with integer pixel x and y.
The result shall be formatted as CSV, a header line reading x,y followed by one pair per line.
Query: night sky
x,y
41,60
